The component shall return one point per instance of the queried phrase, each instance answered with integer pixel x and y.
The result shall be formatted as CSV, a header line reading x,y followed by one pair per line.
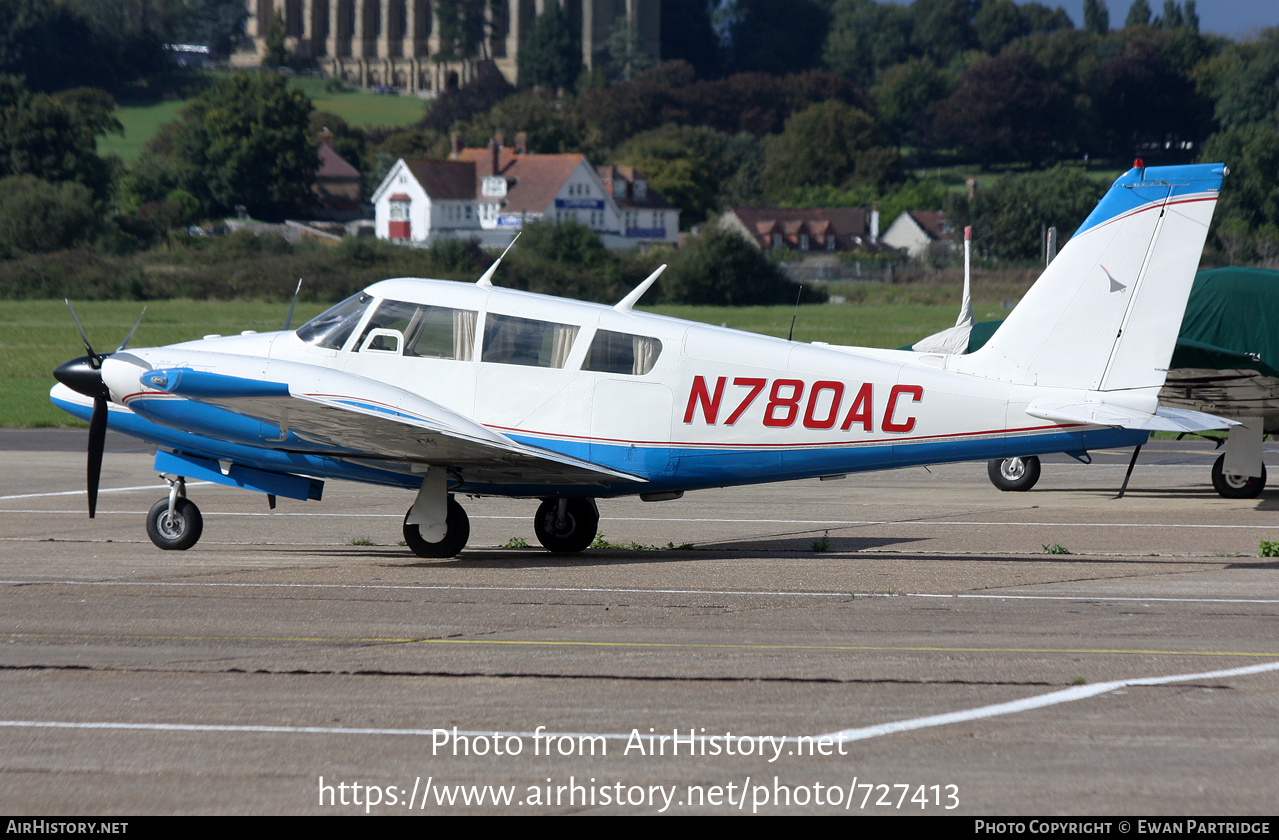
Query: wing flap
x,y
356,418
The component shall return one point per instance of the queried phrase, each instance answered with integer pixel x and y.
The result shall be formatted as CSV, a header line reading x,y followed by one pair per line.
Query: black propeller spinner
x,y
84,376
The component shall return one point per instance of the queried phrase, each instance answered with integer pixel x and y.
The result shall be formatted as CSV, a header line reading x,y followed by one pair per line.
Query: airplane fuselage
x,y
681,405
453,387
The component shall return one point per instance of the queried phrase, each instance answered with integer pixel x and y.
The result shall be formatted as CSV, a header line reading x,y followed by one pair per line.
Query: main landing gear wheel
x,y
1015,474
568,533
176,531
1236,486
457,532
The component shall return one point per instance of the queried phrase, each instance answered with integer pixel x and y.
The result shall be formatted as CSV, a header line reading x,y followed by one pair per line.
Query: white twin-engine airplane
x,y
456,388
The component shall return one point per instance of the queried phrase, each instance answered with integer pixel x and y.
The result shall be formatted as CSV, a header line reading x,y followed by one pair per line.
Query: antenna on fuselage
x,y
791,334
486,279
289,318
627,303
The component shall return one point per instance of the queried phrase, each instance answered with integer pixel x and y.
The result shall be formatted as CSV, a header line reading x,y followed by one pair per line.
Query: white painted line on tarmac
x,y
629,591
859,734
156,486
821,523
1068,695
1110,598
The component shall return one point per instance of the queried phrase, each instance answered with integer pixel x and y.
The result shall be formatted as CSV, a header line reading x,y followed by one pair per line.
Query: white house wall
x,y
401,180
451,216
581,194
906,234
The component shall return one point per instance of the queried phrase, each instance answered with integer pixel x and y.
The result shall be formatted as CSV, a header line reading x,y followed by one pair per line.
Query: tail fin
x,y
1105,315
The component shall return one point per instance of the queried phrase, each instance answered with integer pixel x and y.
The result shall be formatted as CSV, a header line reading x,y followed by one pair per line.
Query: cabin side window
x,y
614,352
331,328
522,341
418,330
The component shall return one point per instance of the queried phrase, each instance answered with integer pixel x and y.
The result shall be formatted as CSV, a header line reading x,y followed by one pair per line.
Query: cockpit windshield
x,y
334,326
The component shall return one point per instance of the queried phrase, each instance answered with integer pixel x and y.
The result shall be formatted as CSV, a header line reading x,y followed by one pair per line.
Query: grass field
x,y
955,178
37,336
359,108
141,122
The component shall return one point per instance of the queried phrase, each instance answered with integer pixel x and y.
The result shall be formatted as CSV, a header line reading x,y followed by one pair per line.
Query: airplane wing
x,y
313,410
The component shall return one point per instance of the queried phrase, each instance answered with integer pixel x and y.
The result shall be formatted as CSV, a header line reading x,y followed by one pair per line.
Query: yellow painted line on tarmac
x,y
637,645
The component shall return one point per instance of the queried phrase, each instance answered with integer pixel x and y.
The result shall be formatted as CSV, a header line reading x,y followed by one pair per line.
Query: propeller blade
x,y
125,343
84,338
97,443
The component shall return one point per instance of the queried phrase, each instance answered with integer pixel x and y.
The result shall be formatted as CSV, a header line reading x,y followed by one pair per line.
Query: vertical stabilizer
x,y
1104,316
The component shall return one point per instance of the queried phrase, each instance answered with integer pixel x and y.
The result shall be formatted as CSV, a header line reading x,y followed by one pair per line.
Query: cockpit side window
x,y
614,352
434,332
522,341
331,328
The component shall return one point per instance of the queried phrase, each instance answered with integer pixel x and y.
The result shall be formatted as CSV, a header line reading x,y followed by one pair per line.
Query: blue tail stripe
x,y
1139,187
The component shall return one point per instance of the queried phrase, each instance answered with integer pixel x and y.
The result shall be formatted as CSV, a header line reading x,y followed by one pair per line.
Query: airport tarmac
x,y
300,658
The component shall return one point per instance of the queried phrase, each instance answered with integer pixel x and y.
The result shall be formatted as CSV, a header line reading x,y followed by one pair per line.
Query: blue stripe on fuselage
x,y
689,468
294,463
667,468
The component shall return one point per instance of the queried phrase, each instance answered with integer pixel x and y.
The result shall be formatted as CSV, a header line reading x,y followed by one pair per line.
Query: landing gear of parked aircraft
x,y
457,532
177,529
1015,474
566,526
1236,486
175,523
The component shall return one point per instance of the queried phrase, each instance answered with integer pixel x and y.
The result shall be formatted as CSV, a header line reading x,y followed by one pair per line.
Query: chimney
x,y
500,137
521,143
457,142
493,155
874,224
326,136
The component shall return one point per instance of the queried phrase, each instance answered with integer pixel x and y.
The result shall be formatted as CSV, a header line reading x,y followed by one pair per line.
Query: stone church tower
x,y
393,42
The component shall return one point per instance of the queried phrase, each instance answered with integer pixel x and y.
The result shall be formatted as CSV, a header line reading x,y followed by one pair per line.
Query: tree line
x,y
802,103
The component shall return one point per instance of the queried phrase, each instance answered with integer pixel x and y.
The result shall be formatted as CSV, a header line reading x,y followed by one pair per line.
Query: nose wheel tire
x,y
571,534
457,532
1236,486
176,531
1014,474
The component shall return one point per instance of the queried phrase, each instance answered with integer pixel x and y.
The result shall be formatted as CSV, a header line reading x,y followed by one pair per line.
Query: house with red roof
x,y
489,194
920,233
812,229
337,182
647,217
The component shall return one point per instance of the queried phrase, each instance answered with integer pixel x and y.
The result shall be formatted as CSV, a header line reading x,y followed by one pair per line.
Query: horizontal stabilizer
x,y
1104,414
950,340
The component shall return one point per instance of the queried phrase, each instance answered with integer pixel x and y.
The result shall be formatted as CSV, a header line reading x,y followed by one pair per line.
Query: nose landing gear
x,y
175,523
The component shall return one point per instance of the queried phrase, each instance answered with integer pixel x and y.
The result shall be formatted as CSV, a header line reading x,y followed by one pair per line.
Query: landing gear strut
x,y
175,523
457,532
566,526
